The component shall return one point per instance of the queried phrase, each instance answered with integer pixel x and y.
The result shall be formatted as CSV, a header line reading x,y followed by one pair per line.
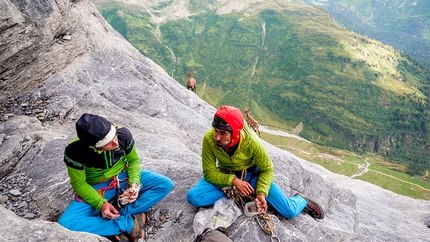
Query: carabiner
x,y
250,209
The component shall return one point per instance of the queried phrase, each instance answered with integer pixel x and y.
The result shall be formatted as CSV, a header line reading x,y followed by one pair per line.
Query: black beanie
x,y
94,130
220,123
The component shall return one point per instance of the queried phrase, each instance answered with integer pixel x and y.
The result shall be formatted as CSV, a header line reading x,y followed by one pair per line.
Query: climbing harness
x,y
115,183
265,222
116,201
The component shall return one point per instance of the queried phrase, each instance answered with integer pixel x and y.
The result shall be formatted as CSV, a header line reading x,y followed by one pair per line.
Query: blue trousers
x,y
80,216
206,194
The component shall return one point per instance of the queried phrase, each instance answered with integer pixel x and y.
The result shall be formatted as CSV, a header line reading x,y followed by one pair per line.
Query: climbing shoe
x,y
138,230
312,208
120,238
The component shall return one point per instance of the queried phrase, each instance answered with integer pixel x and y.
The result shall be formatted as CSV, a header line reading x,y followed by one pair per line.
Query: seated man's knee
x,y
169,184
69,223
165,185
288,214
62,222
192,199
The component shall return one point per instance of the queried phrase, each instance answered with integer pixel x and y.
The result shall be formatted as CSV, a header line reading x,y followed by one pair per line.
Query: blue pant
x,y
80,216
205,194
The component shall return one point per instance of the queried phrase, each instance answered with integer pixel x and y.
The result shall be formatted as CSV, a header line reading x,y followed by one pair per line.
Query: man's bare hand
x,y
108,211
243,187
261,203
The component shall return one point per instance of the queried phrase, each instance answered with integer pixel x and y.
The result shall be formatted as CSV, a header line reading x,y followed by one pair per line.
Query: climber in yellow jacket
x,y
228,149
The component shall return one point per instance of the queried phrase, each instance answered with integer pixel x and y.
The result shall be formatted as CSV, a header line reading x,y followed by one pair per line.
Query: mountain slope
x,y
103,74
290,62
402,24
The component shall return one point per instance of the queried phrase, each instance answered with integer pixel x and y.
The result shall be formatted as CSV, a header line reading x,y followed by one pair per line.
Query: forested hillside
x,y
402,24
291,63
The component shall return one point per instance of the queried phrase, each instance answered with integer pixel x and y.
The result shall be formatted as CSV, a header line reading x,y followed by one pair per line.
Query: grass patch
x,y
398,175
382,173
395,185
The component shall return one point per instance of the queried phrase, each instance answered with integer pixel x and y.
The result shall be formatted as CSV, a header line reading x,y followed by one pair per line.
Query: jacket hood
x,y
232,116
94,130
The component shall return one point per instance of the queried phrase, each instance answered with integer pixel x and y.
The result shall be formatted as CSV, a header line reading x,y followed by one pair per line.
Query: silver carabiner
x,y
250,209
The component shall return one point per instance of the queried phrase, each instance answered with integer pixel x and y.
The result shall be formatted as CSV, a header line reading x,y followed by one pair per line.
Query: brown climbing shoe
x,y
312,208
138,230
120,238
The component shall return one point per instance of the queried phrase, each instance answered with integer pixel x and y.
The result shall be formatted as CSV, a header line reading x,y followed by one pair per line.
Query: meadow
x,y
378,170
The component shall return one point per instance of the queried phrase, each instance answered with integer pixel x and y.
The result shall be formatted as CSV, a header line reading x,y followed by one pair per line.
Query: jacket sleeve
x,y
210,172
265,165
133,170
133,166
83,189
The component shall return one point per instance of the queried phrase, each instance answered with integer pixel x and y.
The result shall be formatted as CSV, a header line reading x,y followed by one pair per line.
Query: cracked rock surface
x,y
61,58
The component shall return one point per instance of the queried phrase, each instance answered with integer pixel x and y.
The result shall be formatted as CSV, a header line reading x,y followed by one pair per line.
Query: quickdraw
x,y
267,225
115,201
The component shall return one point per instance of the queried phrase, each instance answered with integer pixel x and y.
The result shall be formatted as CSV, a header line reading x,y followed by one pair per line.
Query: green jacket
x,y
250,152
87,166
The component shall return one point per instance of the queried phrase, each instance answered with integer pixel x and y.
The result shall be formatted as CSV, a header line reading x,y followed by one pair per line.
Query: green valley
x,y
290,63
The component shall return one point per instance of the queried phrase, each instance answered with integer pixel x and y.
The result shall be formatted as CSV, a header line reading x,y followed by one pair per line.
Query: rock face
x,y
60,59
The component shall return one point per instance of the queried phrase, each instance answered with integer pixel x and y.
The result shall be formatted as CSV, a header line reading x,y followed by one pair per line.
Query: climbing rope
x,y
265,222
268,225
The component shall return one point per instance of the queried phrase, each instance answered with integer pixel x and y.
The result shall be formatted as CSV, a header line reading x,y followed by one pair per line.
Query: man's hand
x,y
261,203
135,188
108,211
244,188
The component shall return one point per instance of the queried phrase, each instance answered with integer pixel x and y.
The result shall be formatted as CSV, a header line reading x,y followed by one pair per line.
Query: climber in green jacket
x,y
112,191
230,148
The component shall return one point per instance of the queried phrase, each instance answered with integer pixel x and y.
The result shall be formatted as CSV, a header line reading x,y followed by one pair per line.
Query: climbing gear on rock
x,y
138,230
312,208
223,214
265,222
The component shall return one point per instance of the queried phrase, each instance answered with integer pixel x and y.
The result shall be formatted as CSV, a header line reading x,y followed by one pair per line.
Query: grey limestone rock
x,y
61,58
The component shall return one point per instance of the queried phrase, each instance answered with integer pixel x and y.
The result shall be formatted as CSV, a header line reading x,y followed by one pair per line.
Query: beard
x,y
222,143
